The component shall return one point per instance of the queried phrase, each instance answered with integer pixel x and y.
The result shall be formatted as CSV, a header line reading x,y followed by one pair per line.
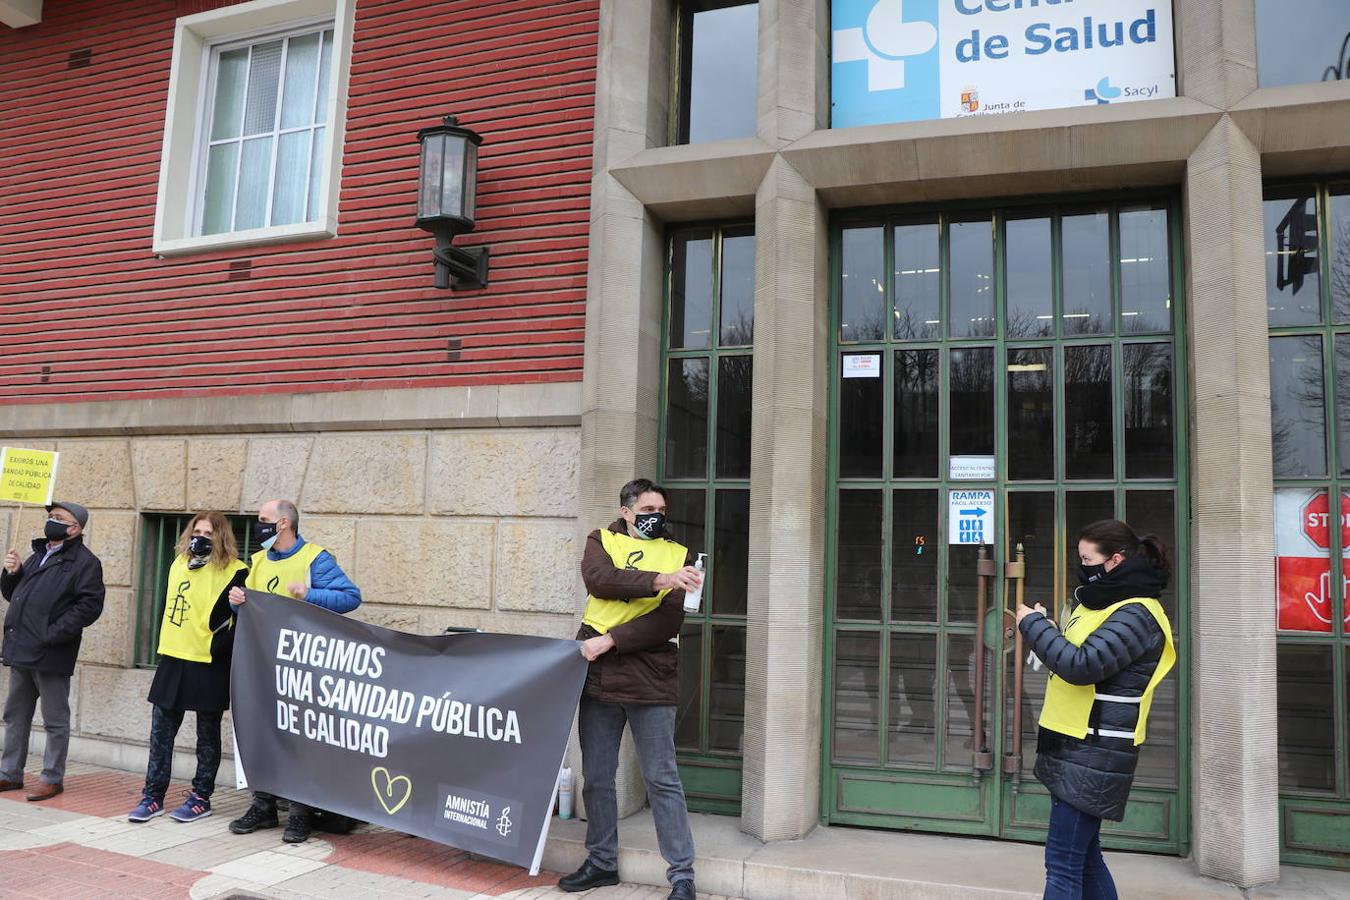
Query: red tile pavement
x,y
403,856
70,872
101,794
108,794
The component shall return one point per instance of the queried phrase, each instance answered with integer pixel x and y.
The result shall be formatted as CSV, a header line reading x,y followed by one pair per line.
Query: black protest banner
x,y
457,738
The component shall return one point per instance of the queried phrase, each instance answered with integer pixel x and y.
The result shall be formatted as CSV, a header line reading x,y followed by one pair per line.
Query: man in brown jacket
x,y
636,577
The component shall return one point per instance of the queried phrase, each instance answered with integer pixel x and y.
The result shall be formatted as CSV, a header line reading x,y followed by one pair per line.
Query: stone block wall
x,y
467,527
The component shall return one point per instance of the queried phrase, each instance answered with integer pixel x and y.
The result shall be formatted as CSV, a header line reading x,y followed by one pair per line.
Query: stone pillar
x,y
621,381
781,787
1235,785
793,74
1216,50
780,795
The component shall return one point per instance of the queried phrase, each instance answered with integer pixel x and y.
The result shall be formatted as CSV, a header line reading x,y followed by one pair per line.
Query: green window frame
x,y
1307,255
159,537
704,460
925,283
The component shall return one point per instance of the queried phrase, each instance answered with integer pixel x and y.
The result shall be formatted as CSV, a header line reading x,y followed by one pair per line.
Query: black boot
x,y
682,890
254,817
298,826
588,876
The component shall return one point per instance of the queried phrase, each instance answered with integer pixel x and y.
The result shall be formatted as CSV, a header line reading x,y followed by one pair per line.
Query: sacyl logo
x,y
1103,93
883,43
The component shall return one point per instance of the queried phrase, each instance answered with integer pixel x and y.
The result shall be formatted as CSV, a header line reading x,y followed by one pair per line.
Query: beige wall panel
x,y
383,473
160,468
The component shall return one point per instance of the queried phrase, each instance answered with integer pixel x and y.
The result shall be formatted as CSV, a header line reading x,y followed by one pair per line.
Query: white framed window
x,y
262,148
254,125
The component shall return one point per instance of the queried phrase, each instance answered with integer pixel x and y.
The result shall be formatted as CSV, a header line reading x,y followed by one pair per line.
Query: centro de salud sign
x,y
910,60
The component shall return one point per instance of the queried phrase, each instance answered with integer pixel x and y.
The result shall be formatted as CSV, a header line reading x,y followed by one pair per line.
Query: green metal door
x,y
1001,377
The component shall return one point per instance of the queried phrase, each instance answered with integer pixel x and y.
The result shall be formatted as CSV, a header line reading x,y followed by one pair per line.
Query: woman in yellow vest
x,y
196,638
1105,665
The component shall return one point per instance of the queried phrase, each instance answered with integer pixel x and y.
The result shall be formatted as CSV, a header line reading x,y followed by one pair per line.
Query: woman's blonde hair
x,y
223,547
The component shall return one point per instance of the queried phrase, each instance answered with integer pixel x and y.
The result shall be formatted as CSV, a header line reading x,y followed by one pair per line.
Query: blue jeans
x,y
1074,868
601,728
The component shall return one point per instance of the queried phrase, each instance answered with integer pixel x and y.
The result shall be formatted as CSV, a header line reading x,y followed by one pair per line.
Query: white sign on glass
x,y
971,468
862,365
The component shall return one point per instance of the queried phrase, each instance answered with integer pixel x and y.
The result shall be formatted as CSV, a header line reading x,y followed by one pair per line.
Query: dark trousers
x,y
26,687
266,801
1074,868
601,727
164,725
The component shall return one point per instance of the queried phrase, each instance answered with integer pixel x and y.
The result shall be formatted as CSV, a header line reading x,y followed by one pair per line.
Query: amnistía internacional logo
x,y
909,60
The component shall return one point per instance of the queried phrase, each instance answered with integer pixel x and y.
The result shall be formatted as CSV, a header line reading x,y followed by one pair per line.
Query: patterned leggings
x,y
164,724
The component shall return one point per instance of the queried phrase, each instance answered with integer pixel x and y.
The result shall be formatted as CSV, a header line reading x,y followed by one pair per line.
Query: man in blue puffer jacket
x,y
290,566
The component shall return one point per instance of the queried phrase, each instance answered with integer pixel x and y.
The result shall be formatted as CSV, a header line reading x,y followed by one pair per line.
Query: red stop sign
x,y
1316,517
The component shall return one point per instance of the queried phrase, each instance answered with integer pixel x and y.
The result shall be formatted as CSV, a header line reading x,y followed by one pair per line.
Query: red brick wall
x,y
88,313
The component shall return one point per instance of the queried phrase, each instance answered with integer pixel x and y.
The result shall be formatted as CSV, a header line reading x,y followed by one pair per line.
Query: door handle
x,y
1016,574
986,572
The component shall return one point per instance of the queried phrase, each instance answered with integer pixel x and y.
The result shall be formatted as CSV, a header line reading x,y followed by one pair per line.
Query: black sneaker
x,y
254,817
298,827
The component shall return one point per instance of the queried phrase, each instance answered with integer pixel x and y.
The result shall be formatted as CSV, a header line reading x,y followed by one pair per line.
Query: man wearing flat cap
x,y
54,595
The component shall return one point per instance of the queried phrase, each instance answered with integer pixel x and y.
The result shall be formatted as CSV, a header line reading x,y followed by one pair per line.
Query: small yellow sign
x,y
27,476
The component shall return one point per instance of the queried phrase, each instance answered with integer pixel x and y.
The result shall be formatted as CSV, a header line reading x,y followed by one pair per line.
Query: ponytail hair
x,y
1111,536
1156,552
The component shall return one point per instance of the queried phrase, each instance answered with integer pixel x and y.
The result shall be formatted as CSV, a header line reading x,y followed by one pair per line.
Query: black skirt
x,y
180,684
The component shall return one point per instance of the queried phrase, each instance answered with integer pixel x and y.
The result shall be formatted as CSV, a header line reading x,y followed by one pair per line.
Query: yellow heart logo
x,y
383,784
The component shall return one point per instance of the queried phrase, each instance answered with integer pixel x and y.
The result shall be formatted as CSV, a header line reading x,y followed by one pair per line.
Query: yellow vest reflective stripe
x,y
274,576
185,630
1068,707
628,552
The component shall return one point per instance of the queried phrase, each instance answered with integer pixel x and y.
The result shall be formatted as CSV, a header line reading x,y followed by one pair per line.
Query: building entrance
x,y
1001,377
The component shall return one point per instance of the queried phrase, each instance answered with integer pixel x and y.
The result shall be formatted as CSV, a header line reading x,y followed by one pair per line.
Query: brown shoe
x,y
10,785
45,791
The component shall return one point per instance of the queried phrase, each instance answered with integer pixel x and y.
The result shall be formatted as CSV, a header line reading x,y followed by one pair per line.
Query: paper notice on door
x,y
972,468
862,365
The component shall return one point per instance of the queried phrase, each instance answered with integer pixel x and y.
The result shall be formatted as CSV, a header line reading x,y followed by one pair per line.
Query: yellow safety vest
x,y
185,631
274,576
1068,707
628,552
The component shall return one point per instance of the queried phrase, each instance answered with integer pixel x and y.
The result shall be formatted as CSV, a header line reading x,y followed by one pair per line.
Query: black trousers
x,y
164,725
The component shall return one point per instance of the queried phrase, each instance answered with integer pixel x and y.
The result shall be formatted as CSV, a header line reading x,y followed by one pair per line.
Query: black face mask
x,y
263,531
649,526
56,530
1089,574
199,545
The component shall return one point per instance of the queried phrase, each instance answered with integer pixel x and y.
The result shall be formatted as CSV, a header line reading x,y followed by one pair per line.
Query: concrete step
x,y
863,864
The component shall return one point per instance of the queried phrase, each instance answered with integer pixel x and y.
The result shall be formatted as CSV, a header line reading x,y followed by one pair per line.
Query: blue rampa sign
x,y
970,517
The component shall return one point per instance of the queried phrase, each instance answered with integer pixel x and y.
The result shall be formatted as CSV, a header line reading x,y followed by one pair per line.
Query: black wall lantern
x,y
447,198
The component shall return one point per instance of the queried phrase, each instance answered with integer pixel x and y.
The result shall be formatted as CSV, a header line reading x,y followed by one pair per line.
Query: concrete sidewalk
x,y
80,845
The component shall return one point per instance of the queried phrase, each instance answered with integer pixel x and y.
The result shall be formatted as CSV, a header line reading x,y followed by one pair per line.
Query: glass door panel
x,y
912,718
1032,525
961,711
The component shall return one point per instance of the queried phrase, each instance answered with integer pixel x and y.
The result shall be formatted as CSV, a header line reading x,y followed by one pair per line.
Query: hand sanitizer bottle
x,y
693,598
565,794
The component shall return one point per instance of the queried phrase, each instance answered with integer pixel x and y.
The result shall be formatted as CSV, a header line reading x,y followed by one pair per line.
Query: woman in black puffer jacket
x,y
1105,664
